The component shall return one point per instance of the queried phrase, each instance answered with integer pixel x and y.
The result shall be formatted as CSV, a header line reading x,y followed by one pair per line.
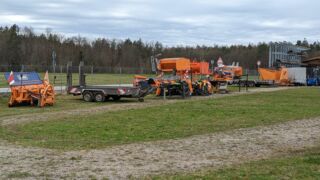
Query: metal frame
x,y
286,53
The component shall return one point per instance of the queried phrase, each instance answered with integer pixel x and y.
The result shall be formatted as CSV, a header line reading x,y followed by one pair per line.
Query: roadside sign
x,y
258,63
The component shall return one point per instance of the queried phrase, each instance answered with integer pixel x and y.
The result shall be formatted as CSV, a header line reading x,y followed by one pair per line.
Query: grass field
x,y
297,165
63,103
176,120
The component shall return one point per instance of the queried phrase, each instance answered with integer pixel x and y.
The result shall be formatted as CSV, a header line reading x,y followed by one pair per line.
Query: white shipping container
x,y
297,75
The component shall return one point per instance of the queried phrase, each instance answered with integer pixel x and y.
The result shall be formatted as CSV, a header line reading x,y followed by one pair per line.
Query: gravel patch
x,y
168,156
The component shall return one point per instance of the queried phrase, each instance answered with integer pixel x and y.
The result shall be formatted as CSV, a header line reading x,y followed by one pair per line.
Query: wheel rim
x,y
87,97
99,97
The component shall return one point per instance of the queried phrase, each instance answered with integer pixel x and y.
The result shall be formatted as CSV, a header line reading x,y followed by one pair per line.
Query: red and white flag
x,y
220,62
11,79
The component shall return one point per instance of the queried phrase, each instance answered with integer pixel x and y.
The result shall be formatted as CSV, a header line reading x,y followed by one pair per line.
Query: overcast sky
x,y
172,22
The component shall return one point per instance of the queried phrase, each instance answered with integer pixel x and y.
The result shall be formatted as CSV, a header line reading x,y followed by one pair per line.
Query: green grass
x,y
63,103
297,165
18,175
166,122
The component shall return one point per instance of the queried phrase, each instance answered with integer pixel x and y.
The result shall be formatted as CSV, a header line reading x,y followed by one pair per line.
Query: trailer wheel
x,y
87,96
99,97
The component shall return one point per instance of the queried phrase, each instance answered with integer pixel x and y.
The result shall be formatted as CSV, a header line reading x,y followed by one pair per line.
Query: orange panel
x,y
200,68
170,64
279,76
269,74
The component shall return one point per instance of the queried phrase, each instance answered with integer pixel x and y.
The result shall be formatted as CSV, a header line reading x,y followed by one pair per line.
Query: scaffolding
x,y
286,54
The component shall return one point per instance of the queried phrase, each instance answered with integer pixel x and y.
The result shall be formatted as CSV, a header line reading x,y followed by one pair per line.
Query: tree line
x,y
23,46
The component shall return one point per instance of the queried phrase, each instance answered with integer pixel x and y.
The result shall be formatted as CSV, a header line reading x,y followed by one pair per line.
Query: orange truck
x,y
28,88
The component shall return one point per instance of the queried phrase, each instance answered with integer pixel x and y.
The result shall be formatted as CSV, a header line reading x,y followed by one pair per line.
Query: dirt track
x,y
17,119
182,155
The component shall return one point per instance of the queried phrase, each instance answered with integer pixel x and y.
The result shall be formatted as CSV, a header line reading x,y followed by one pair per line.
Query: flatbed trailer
x,y
103,93
254,83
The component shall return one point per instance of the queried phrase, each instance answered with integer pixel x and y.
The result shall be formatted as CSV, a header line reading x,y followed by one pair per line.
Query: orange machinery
x,y
279,77
178,82
28,88
200,73
228,73
180,76
200,68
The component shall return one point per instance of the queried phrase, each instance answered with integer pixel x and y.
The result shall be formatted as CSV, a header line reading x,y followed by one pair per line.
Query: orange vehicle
x,y
180,76
174,77
200,68
28,88
227,72
279,77
200,73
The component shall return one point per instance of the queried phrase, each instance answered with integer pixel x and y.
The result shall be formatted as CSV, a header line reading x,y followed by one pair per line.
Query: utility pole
x,y
54,63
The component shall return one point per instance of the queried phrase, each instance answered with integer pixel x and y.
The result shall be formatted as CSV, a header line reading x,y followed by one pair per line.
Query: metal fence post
x,y
69,75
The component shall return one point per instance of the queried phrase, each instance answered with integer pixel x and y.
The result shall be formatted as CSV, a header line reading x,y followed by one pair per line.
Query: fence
x,y
75,69
92,69
95,75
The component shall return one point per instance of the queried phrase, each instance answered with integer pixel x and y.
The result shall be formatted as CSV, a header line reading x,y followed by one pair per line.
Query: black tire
x,y
87,96
99,97
141,100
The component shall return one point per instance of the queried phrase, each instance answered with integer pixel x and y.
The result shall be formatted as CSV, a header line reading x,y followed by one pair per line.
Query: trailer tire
x,y
87,96
99,97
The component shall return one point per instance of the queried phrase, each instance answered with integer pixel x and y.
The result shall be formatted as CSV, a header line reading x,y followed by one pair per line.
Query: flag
x,y
220,62
11,79
46,78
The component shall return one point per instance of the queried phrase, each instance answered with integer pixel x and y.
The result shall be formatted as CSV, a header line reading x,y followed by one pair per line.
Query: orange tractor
x,y
28,88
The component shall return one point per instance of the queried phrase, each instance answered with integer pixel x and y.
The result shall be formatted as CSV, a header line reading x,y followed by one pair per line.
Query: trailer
x,y
103,93
100,93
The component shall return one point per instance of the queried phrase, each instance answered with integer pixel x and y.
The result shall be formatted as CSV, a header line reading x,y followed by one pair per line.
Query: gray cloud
x,y
187,22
